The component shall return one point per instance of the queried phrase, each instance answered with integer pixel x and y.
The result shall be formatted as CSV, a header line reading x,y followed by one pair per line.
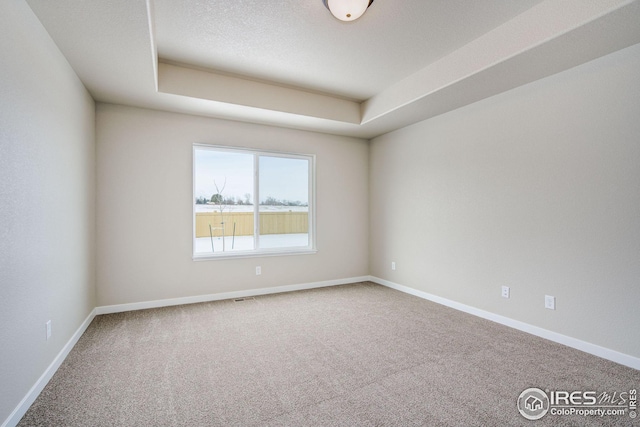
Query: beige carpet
x,y
353,355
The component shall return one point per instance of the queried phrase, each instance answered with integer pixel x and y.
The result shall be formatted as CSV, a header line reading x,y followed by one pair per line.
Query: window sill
x,y
254,254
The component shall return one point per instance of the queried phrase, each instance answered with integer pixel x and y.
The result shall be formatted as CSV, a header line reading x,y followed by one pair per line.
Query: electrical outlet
x,y
258,271
393,265
505,292
549,302
48,329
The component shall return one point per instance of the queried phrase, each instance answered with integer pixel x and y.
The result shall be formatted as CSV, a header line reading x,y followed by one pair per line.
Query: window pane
x,y
284,202
223,191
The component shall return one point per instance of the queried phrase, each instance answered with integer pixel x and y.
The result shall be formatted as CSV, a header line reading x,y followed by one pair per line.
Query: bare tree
x,y
221,206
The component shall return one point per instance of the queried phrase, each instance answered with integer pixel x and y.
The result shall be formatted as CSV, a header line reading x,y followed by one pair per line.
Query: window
x,y
249,202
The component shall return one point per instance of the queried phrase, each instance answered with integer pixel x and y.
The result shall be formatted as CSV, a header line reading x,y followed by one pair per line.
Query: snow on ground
x,y
249,208
243,243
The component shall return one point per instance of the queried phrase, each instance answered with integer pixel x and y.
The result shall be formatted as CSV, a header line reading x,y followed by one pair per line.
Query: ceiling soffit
x,y
118,63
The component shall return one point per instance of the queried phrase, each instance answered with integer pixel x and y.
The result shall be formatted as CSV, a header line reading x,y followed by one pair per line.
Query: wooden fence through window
x,y
270,223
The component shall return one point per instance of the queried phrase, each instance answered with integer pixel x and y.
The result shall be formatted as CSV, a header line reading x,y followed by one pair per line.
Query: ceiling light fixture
x,y
347,10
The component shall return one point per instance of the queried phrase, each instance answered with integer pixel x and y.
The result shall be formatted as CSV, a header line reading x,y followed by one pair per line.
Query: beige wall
x,y
144,165
47,188
537,189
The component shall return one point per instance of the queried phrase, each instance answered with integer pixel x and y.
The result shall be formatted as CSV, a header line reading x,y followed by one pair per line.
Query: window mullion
x,y
256,201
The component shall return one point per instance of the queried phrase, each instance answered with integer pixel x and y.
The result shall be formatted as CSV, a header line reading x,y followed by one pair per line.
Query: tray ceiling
x,y
290,63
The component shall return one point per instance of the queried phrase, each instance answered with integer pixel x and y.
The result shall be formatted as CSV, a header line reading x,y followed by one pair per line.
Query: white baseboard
x,y
108,309
17,414
596,350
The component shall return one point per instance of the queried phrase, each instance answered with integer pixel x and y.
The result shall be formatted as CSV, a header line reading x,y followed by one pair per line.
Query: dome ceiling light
x,y
347,10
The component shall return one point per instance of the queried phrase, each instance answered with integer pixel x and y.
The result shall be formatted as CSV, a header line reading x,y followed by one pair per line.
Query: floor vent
x,y
243,299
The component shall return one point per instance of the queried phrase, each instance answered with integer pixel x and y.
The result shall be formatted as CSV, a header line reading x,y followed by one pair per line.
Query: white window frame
x,y
294,250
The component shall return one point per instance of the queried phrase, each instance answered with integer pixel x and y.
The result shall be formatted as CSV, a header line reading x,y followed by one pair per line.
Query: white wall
x,y
144,208
537,188
47,204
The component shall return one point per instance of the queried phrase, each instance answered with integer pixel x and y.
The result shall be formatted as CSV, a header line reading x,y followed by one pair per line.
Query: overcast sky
x,y
281,178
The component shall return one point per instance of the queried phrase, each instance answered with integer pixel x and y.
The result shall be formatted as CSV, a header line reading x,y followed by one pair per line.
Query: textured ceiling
x,y
290,63
299,43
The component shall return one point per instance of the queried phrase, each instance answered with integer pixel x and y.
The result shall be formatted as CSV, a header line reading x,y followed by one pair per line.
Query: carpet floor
x,y
351,355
